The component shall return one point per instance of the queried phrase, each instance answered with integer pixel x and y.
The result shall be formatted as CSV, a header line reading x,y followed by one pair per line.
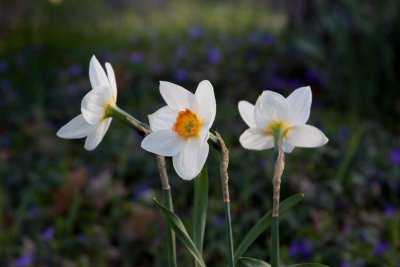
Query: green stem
x,y
275,242
171,242
231,261
123,116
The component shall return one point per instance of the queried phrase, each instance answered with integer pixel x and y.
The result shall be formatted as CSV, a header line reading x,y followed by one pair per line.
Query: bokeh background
x,y
63,206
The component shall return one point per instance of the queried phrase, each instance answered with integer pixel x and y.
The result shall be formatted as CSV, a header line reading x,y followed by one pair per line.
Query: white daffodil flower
x,y
94,121
181,129
274,114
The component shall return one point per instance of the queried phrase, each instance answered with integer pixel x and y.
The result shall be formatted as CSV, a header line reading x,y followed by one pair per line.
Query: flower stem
x,y
276,181
171,242
225,192
123,116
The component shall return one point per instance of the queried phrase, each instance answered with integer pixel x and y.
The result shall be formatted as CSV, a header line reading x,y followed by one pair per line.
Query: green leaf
x,y
250,262
309,265
200,208
176,224
264,222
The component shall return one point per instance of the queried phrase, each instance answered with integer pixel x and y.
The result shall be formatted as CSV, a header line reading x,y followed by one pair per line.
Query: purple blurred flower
x,y
75,70
72,89
214,55
181,75
381,248
311,75
302,249
395,156
277,84
25,260
33,212
390,211
136,58
196,32
143,193
267,39
345,264
3,66
48,233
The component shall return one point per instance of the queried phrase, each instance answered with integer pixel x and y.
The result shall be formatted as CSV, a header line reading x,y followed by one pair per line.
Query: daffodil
x,y
274,116
181,129
95,118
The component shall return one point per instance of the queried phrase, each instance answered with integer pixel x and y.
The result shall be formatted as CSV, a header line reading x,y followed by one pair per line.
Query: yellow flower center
x,y
187,124
277,128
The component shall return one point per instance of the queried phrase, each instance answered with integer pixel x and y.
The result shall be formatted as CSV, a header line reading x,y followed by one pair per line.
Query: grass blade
x,y
200,208
250,262
264,222
176,224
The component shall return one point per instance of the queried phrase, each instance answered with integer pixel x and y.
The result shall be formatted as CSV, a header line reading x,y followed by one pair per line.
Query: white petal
x,y
97,75
177,97
111,79
206,100
256,139
163,142
270,107
299,105
163,119
204,134
190,161
306,136
287,148
94,103
246,111
97,135
78,127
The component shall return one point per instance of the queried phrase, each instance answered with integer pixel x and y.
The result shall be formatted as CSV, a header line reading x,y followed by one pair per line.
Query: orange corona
x,y
187,124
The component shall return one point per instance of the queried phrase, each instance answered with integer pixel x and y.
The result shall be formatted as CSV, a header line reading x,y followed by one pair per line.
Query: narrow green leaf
x,y
171,241
250,262
309,265
176,224
200,208
264,222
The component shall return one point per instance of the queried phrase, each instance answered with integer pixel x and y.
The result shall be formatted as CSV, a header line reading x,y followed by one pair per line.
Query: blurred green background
x,y
63,206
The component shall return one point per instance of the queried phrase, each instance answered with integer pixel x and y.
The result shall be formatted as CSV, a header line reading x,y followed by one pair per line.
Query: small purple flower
x,y
214,56
196,32
311,75
75,70
181,75
381,248
72,89
136,58
48,233
302,249
25,260
278,84
390,211
267,39
345,264
395,156
33,212
143,193
3,66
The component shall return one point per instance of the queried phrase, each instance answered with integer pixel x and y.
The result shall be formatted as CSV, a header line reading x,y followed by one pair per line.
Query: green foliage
x,y
176,224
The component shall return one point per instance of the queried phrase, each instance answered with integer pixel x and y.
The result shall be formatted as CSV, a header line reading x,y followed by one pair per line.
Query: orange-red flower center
x,y
187,124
